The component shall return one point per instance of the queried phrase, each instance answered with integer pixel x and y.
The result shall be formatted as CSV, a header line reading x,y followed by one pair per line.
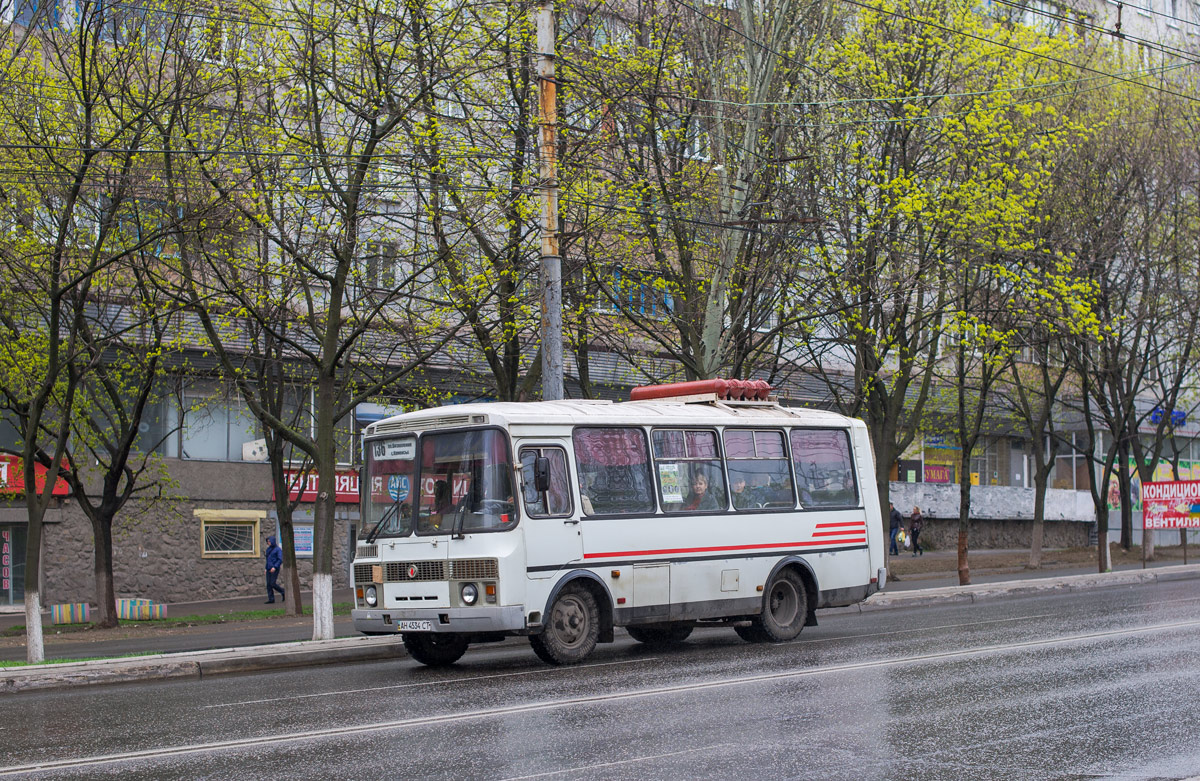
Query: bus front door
x,y
553,541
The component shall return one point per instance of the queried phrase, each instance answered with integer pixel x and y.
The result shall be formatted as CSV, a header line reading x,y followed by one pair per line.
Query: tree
x,y
326,99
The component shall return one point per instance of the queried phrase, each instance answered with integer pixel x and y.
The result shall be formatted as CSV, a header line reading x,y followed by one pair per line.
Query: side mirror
x,y
541,474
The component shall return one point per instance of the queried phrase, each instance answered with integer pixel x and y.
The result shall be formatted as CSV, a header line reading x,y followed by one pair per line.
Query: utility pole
x,y
551,271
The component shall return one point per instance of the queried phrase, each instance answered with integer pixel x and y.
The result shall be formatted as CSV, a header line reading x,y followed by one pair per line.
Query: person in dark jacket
x,y
896,521
274,564
915,522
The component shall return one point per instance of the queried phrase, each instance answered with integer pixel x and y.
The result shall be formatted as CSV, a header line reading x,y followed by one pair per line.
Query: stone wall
x,y
158,551
985,534
1001,516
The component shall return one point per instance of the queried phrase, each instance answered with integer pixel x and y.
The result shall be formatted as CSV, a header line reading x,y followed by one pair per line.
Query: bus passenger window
x,y
557,500
688,464
614,471
758,470
825,467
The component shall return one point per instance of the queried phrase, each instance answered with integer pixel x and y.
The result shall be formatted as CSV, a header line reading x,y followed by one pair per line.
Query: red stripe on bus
x,y
847,541
859,524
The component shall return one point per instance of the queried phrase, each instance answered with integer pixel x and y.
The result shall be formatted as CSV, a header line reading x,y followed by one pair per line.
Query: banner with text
x,y
303,486
1173,504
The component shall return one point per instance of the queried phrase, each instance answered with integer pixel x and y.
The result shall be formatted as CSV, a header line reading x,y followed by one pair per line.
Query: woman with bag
x,y
915,522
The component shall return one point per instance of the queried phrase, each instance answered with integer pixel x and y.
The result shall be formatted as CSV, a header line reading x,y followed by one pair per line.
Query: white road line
x,y
646,758
808,641
358,730
539,671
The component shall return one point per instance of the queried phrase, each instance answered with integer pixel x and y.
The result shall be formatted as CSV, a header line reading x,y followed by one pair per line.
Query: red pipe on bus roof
x,y
733,390
645,392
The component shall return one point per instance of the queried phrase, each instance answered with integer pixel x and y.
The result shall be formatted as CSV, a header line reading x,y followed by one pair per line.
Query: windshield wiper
x,y
382,519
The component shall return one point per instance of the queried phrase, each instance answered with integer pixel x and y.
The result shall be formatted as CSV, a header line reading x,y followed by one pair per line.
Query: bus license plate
x,y
414,626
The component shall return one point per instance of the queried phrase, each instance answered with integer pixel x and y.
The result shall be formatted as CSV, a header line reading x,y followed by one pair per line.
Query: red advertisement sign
x,y
937,473
1171,504
303,486
12,477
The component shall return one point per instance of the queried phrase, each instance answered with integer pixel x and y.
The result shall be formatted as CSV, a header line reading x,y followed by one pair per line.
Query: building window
x,y
229,534
638,293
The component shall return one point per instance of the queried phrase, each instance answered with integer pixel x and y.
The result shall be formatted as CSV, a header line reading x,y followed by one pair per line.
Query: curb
x,y
199,664
1033,586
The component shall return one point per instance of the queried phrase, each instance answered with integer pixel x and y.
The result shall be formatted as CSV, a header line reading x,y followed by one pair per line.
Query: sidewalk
x,y
200,650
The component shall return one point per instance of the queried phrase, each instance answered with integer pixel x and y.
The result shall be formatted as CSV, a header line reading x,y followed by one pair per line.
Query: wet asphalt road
x,y
1101,684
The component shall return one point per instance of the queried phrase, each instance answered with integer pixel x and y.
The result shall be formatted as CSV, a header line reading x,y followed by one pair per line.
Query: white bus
x,y
563,520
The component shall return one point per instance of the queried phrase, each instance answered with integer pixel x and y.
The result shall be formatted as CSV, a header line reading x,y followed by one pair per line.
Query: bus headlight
x,y
371,597
470,593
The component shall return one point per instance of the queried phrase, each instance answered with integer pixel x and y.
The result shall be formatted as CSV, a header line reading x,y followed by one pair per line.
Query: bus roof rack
x,y
705,391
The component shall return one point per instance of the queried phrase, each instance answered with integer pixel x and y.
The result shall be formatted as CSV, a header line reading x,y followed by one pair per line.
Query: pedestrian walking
x,y
915,522
274,564
896,521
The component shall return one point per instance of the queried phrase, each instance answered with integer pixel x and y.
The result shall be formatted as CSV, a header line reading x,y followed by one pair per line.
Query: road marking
x,y
358,730
541,671
618,763
925,629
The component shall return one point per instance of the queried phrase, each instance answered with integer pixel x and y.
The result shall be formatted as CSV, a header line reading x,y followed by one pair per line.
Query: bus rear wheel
x,y
660,634
785,611
572,628
436,650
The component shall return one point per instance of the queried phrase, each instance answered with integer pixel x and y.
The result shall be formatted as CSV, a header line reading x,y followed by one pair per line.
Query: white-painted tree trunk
x,y
35,649
322,600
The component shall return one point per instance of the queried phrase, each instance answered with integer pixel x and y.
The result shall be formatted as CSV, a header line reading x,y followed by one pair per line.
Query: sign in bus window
x,y
759,475
614,471
824,468
688,464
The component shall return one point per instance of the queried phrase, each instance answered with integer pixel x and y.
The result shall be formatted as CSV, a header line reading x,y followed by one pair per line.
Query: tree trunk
x,y
1104,563
324,517
106,600
35,650
1039,523
964,513
287,540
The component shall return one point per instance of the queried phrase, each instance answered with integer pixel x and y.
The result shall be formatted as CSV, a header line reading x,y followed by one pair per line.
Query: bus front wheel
x,y
436,650
785,610
572,628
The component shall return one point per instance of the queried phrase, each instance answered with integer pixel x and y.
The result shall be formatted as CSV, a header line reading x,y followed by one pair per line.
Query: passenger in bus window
x,y
443,503
743,497
699,497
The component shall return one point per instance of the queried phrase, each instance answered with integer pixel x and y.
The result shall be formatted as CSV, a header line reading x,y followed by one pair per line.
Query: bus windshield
x,y
443,483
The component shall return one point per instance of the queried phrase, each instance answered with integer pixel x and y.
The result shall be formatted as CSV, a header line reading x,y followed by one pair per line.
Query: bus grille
x,y
474,569
367,552
405,572
399,572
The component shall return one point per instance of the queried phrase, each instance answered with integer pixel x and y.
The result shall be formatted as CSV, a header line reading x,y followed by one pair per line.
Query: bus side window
x,y
759,476
688,463
614,471
825,467
557,500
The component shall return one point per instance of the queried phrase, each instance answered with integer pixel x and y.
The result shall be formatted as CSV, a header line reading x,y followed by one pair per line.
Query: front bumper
x,y
376,621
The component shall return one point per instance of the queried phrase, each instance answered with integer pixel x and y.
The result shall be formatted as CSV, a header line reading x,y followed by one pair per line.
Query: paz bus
x,y
692,503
